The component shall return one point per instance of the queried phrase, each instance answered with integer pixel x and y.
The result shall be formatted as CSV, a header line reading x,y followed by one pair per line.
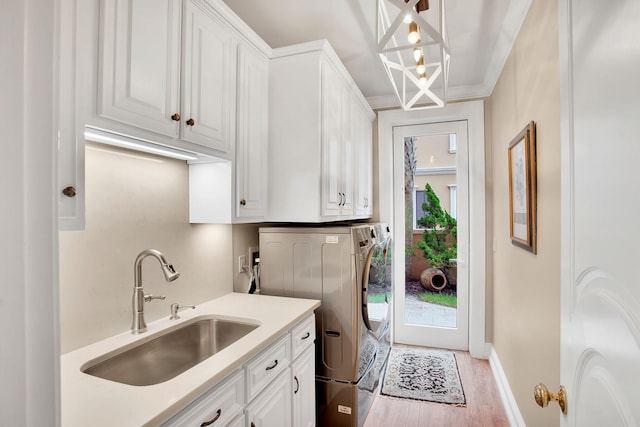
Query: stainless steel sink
x,y
173,352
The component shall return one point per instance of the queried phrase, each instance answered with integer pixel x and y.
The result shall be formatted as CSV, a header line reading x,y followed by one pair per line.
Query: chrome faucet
x,y
139,298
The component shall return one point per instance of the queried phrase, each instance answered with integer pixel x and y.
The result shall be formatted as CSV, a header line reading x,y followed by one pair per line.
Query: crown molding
x,y
511,25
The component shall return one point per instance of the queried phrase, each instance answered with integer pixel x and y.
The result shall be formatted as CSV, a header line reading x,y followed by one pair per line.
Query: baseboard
x,y
508,400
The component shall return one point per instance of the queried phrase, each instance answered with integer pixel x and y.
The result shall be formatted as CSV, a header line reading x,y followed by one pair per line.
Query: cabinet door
x,y
70,189
272,407
364,203
304,389
332,191
252,133
208,80
347,154
139,71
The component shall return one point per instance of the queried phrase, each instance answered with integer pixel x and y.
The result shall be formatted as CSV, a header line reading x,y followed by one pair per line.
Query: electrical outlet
x,y
242,262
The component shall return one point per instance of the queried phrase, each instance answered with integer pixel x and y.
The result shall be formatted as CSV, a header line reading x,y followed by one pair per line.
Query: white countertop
x,y
89,400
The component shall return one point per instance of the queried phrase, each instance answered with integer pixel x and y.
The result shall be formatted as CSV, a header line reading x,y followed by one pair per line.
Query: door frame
x,y
455,338
473,113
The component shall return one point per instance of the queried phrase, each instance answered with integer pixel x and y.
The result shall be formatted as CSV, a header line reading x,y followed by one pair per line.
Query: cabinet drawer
x,y
262,369
303,336
222,404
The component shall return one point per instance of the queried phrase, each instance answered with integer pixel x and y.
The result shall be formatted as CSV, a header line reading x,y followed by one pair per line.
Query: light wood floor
x,y
484,407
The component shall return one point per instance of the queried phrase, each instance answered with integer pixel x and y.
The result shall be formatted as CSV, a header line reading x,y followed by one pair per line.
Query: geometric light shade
x,y
400,49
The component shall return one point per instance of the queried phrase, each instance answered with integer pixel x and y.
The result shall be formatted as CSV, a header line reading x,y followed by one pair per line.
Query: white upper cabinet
x,y
167,67
208,80
186,74
70,189
338,141
211,195
252,134
140,63
315,145
364,158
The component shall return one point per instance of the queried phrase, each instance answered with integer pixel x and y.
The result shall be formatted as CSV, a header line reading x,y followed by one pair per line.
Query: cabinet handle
x,y
253,424
306,336
69,191
212,420
297,385
175,117
268,368
191,122
341,202
243,202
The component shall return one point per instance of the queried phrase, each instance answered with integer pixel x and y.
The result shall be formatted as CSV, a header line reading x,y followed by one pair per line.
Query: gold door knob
x,y
176,117
191,122
543,396
69,191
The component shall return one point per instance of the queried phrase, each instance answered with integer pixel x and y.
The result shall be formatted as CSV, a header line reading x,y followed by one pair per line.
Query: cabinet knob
x,y
175,117
69,191
243,202
191,122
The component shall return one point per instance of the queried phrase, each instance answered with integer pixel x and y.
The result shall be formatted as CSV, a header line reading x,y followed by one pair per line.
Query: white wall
x,y
526,286
135,201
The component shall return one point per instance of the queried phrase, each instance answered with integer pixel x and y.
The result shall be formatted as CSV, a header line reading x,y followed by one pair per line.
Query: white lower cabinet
x,y
272,407
217,407
267,391
303,378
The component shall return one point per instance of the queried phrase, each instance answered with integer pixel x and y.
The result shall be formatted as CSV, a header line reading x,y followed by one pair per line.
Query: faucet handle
x,y
149,297
175,307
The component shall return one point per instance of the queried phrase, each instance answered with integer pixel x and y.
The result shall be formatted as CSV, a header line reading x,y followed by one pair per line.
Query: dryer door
x,y
376,290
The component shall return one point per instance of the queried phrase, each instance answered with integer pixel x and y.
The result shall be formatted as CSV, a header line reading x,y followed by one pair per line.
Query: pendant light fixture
x,y
412,45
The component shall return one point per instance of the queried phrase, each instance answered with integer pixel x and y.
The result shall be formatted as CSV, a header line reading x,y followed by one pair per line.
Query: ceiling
x,y
481,33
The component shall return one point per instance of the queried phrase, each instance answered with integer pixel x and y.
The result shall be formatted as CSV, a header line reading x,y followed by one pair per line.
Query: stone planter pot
x,y
433,279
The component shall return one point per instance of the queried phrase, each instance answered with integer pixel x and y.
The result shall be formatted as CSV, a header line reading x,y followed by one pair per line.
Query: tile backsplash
x,y
135,201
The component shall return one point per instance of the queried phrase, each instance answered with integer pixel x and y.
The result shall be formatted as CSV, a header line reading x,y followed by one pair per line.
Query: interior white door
x,y
404,330
600,349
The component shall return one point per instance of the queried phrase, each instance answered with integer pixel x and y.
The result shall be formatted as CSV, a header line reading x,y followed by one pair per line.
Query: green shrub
x,y
440,235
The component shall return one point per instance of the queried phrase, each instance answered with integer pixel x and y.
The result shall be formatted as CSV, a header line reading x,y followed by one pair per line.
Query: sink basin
x,y
169,354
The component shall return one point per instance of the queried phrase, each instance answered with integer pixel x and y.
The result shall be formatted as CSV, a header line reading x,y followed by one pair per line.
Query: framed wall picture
x,y
522,188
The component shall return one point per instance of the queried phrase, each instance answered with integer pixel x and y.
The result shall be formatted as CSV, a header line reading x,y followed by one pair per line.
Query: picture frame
x,y
522,188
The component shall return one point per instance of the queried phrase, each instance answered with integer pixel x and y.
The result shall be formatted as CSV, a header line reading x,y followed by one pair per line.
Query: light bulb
x,y
417,53
420,67
414,33
407,18
422,79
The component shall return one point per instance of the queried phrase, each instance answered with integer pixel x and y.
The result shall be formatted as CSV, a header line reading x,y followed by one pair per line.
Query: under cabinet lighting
x,y
110,138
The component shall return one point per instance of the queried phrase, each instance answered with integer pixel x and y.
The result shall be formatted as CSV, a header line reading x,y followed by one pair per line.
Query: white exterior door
x,y
600,349
454,335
